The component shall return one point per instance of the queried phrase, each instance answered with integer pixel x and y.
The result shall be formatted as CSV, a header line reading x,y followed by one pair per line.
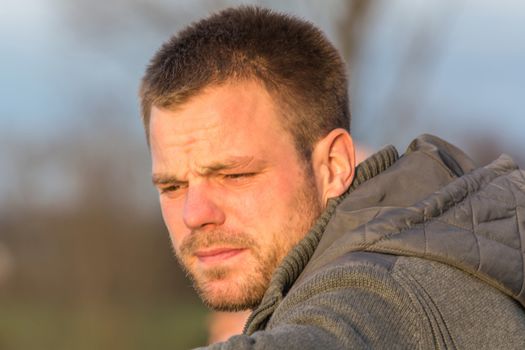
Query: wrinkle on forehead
x,y
231,162
183,131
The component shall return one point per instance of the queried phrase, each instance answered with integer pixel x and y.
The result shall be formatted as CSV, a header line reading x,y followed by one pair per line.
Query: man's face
x,y
234,193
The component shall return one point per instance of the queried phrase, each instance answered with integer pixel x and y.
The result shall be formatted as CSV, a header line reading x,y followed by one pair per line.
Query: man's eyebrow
x,y
161,179
212,168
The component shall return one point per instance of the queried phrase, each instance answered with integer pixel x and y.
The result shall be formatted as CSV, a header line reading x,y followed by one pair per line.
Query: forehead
x,y
234,119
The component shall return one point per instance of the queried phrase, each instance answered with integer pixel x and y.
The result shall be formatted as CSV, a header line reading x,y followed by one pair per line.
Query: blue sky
x,y
70,67
474,80
476,77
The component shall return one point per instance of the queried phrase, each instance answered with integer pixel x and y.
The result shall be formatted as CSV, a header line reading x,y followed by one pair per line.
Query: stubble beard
x,y
247,289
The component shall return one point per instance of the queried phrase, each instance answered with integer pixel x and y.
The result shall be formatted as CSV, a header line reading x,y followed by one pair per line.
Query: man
x,y
246,114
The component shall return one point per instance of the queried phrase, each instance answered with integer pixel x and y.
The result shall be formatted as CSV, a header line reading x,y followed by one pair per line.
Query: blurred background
x,y
85,261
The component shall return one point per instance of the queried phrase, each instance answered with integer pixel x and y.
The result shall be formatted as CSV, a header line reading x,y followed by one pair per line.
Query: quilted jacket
x,y
423,251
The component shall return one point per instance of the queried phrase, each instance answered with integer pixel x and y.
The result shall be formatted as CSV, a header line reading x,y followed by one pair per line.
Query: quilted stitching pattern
x,y
476,223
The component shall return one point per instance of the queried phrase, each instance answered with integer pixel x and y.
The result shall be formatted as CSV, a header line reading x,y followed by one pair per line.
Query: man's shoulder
x,y
457,307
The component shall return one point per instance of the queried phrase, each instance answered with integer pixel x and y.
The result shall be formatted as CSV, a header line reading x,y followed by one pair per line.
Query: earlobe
x,y
334,159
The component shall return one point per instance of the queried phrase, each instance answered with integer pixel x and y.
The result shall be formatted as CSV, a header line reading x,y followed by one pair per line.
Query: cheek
x,y
264,206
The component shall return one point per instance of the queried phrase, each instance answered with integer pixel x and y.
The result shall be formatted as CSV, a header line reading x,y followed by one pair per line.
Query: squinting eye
x,y
172,188
238,176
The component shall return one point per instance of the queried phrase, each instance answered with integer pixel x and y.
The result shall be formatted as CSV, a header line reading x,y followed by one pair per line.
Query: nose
x,y
201,209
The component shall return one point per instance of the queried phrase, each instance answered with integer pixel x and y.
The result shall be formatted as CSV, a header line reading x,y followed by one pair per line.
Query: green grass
x,y
31,325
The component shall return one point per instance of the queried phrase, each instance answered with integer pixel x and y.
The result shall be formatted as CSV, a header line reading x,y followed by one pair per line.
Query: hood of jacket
x,y
433,204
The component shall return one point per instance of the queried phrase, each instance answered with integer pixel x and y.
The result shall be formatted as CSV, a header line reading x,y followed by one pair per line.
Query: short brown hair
x,y
291,58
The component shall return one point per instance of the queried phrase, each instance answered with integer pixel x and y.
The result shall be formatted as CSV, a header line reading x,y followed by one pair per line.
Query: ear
x,y
333,160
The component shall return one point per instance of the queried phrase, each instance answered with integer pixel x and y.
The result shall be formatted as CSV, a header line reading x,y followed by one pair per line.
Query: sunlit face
x,y
234,192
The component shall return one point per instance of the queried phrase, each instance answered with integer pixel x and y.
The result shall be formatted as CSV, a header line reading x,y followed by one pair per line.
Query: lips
x,y
218,254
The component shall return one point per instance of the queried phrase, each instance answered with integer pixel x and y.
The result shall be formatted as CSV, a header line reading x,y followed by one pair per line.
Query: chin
x,y
230,295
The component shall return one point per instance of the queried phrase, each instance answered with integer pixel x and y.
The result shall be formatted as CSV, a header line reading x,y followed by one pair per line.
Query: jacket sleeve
x,y
343,307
